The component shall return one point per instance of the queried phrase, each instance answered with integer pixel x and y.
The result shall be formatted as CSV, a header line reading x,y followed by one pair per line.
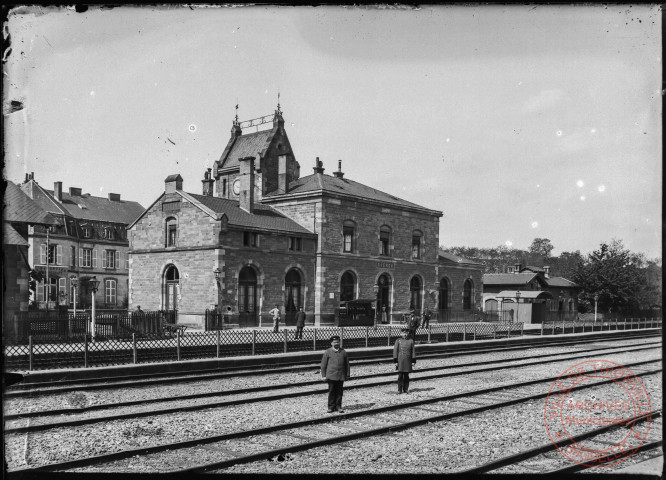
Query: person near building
x,y
300,323
384,315
335,370
404,357
412,325
275,313
426,317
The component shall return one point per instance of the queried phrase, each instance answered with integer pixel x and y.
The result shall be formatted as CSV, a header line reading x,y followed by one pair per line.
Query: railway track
x,y
129,381
217,453
12,421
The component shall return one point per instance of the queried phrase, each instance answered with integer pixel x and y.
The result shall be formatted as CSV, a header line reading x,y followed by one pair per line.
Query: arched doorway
x,y
384,297
415,300
171,288
468,290
347,287
293,289
443,299
247,297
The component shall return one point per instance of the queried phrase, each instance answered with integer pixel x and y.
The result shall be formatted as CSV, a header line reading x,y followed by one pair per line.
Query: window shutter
x,y
127,262
104,254
73,259
94,253
42,254
117,260
59,254
80,257
62,286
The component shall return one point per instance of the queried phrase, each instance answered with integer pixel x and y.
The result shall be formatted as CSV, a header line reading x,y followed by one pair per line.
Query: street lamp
x,y
94,283
517,303
74,283
596,299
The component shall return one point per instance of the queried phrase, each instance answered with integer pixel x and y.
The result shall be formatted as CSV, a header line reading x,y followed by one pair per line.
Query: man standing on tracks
x,y
335,370
276,317
300,323
404,357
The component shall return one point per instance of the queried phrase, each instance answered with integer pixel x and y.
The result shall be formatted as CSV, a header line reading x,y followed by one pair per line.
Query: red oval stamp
x,y
570,412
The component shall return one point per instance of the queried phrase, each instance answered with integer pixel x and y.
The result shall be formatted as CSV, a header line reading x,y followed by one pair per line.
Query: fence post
x,y
495,330
428,332
314,339
30,352
218,345
615,323
542,328
508,330
388,337
285,340
342,336
178,345
134,356
474,337
521,328
563,327
254,340
367,332
446,339
85,350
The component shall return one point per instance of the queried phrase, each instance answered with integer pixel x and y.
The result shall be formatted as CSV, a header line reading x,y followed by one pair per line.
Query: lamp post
x,y
94,283
596,299
517,303
74,283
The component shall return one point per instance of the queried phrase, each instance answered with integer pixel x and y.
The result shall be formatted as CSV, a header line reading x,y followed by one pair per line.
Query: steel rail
x,y
109,457
577,468
150,379
79,410
547,447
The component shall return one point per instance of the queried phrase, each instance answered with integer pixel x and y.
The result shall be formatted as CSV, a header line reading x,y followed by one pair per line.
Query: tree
x,y
541,247
614,274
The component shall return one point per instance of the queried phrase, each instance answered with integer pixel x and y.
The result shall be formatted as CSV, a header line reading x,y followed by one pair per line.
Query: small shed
x,y
527,306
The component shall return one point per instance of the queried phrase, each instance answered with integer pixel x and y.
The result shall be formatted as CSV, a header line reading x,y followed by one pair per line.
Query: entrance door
x,y
171,284
247,297
293,288
383,298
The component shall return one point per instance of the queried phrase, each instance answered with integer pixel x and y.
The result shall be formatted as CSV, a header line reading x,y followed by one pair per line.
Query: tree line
x,y
623,281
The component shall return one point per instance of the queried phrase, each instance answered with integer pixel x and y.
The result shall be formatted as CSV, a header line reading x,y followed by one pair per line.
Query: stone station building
x,y
261,235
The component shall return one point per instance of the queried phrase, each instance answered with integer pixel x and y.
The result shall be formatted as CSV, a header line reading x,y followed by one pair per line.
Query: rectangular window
x,y
72,256
55,254
384,243
110,292
416,246
86,230
295,244
51,287
348,239
62,291
72,294
249,239
85,257
109,259
171,235
109,233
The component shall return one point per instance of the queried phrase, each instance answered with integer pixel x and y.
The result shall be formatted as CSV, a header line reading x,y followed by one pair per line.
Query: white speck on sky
x,y
580,184
504,81
535,224
601,188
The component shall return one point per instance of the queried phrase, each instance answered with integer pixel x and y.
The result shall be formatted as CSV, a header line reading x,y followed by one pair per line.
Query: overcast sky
x,y
516,122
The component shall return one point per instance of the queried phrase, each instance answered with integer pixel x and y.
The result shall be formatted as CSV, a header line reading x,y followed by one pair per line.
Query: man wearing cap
x,y
404,356
335,370
413,325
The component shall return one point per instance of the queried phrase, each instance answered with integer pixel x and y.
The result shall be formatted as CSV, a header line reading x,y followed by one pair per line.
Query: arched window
x,y
293,284
347,286
171,233
171,288
384,297
348,233
491,305
443,300
247,290
417,244
385,240
468,290
415,293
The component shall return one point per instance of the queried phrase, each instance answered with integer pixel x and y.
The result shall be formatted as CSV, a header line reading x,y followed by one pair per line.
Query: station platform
x,y
221,364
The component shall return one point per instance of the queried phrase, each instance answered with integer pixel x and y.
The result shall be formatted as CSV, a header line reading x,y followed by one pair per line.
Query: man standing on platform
x,y
276,317
335,370
300,323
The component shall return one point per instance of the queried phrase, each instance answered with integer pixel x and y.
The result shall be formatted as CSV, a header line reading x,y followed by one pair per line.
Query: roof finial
x,y
236,109
278,111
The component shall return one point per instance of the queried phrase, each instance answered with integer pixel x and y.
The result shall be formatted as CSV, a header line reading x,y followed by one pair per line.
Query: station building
x,y
260,234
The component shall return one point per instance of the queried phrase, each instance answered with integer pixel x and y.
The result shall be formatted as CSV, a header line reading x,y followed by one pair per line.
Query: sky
x,y
516,122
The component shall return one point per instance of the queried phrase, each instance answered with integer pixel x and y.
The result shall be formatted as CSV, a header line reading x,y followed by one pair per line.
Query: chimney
x,y
547,271
339,173
114,197
235,129
27,177
282,174
247,183
57,191
74,192
207,182
173,183
319,166
516,268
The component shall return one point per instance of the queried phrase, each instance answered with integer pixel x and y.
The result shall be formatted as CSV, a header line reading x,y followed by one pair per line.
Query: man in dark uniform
x,y
413,325
426,318
335,370
404,357
300,323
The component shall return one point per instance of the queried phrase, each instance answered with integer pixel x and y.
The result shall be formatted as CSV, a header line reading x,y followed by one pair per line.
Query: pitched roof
x,y
86,207
508,278
19,207
11,237
523,294
456,259
249,145
560,282
263,217
318,182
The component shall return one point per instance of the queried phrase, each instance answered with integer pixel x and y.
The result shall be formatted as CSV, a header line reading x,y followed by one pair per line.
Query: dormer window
x,y
109,233
86,231
249,239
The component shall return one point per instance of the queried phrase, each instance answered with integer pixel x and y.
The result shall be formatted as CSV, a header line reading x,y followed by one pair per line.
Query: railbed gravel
x,y
62,444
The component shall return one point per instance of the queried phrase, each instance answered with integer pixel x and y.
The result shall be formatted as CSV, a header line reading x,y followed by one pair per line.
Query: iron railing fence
x,y
582,325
